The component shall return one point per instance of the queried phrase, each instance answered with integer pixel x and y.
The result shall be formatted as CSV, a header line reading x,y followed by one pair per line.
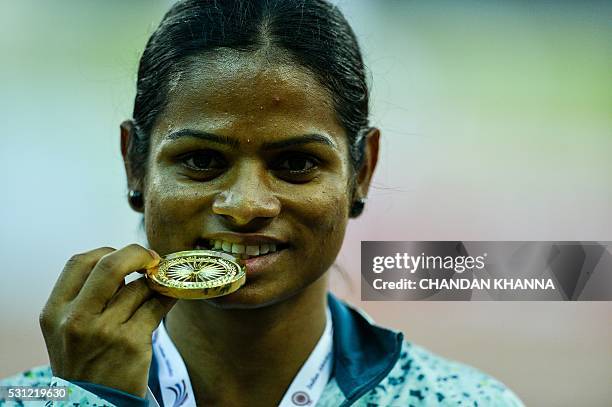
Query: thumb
x,y
152,311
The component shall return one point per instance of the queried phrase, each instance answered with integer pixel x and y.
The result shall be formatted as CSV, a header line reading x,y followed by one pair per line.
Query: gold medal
x,y
196,274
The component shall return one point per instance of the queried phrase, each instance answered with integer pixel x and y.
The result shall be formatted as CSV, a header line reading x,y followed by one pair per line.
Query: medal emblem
x,y
196,274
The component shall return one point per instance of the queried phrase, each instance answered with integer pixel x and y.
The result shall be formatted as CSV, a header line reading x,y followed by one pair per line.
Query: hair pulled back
x,y
313,32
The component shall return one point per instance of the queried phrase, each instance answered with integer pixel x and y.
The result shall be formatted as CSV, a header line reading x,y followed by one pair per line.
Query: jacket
x,y
373,366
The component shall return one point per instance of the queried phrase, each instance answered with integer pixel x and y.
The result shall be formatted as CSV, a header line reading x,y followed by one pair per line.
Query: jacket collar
x,y
363,352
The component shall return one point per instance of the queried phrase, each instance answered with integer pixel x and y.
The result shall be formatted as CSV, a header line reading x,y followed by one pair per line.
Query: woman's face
x,y
249,153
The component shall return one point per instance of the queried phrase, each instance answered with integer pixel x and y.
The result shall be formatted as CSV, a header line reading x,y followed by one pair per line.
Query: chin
x,y
248,296
254,296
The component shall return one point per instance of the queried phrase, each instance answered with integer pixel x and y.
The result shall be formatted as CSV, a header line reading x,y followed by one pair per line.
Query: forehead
x,y
248,94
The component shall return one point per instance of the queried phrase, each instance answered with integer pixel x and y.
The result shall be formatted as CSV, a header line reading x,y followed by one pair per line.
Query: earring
x,y
357,207
135,199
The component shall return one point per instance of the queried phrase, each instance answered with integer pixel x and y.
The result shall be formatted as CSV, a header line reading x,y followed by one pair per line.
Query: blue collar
x,y
363,353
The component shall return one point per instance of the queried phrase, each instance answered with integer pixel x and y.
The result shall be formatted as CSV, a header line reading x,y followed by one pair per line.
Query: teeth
x,y
240,250
237,248
252,250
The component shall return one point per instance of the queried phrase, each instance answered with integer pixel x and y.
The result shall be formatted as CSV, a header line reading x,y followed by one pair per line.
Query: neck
x,y
237,356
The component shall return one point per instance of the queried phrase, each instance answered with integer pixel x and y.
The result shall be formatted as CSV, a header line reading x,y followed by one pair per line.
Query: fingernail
x,y
154,254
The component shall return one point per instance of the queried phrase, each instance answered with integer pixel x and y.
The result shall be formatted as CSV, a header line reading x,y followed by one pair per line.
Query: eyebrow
x,y
178,134
271,145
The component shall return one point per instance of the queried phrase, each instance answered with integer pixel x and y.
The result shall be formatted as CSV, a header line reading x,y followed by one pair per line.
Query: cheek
x,y
328,234
170,211
325,216
334,225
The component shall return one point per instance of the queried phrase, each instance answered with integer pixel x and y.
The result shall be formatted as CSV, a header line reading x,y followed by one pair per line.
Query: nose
x,y
247,200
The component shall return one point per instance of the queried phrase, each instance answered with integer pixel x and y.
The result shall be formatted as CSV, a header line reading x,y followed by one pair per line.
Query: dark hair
x,y
313,32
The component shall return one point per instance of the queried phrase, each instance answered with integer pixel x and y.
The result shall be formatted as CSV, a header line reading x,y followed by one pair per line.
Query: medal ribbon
x,y
173,378
305,389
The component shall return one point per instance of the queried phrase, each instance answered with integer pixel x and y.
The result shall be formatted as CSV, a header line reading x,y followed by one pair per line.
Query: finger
x,y
109,273
152,311
74,274
128,299
121,285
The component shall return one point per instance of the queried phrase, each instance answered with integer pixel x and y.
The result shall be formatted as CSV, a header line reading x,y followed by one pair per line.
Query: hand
x,y
97,328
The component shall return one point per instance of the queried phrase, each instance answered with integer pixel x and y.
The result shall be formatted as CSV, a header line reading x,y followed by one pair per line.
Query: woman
x,y
249,134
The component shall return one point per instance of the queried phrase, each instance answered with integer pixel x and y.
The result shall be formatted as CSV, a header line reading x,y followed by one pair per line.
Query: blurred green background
x,y
496,123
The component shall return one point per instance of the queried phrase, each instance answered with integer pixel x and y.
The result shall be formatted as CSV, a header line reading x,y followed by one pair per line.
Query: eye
x,y
296,164
204,160
296,167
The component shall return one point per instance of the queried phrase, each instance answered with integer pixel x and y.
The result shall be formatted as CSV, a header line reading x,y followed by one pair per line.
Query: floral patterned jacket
x,y
373,366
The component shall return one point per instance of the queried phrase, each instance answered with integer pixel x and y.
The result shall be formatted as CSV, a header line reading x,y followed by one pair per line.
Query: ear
x,y
128,133
370,159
